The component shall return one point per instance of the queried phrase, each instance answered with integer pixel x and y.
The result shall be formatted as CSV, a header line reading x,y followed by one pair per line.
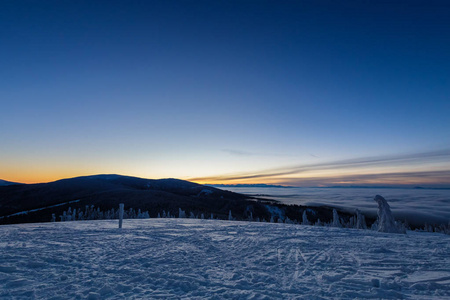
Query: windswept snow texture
x,y
194,259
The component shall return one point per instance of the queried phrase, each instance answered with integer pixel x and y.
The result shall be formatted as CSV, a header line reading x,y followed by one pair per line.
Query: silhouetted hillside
x,y
107,191
37,202
4,182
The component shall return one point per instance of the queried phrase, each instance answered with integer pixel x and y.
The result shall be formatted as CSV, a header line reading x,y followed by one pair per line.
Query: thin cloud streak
x,y
416,159
426,179
238,152
246,153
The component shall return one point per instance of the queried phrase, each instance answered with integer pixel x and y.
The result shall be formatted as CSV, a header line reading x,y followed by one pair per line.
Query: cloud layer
x,y
431,168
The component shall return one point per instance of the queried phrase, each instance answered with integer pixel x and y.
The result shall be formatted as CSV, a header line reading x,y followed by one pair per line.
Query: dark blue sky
x,y
203,88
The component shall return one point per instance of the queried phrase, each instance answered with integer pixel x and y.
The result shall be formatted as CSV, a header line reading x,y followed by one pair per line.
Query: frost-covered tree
x,y
305,220
181,213
360,220
351,223
336,221
230,217
131,213
212,216
386,222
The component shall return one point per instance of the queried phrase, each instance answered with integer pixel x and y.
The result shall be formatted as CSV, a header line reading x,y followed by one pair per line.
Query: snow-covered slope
x,y
184,258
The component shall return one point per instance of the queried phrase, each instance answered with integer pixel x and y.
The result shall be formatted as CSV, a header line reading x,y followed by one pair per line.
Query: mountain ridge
x,y
6,183
106,191
38,202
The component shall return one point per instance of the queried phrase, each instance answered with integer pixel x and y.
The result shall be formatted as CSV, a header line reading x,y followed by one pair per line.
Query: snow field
x,y
194,259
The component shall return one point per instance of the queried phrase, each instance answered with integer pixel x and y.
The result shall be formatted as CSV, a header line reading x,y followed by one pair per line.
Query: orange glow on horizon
x,y
318,181
316,175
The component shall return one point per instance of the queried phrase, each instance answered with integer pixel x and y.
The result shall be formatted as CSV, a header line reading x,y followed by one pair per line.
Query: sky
x,y
304,93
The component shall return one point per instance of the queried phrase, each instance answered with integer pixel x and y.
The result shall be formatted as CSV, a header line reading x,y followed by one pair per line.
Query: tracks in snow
x,y
176,258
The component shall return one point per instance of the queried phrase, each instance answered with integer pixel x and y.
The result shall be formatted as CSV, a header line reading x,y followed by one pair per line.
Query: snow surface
x,y
192,259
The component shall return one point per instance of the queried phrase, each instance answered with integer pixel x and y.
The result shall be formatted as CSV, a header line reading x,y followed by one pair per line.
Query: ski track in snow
x,y
193,259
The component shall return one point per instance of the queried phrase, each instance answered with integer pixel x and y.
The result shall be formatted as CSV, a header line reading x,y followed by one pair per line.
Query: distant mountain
x,y
257,185
4,183
107,191
22,203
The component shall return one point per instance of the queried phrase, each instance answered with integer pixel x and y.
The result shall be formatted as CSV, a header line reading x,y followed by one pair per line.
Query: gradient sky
x,y
221,91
